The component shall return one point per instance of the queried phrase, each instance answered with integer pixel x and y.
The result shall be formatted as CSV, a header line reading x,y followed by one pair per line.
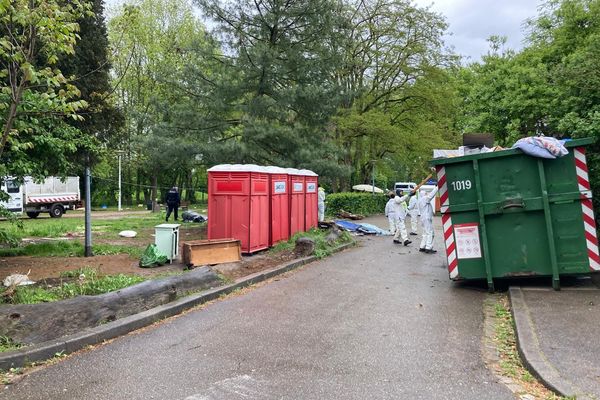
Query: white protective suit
x,y
400,211
321,204
391,215
413,211
426,212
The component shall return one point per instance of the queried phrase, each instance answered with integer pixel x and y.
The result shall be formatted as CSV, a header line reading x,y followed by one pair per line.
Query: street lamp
x,y
120,154
373,177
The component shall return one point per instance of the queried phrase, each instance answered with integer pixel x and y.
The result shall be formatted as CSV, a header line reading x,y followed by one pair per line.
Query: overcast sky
x,y
473,21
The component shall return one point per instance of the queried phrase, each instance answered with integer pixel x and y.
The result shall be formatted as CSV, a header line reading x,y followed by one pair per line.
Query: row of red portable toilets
x,y
260,206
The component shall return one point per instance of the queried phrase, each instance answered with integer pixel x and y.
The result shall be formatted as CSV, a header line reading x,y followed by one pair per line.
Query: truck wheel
x,y
56,211
33,214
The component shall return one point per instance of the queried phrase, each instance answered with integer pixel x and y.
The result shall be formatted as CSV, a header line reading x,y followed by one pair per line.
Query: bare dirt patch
x,y
44,268
51,267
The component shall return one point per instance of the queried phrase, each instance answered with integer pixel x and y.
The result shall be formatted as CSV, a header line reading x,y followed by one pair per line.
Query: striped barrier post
x,y
587,207
447,223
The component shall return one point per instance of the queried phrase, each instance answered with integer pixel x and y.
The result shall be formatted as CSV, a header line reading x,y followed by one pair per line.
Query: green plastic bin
x,y
507,214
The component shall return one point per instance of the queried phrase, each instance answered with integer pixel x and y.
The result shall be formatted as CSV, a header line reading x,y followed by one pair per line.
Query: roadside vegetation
x,y
510,364
79,282
323,248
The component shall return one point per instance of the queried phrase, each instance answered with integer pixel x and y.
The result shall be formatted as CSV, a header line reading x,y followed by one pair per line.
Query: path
x,y
379,321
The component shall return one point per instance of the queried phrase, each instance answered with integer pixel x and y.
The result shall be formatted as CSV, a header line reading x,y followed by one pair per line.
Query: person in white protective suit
x,y
390,213
321,204
426,211
400,210
413,211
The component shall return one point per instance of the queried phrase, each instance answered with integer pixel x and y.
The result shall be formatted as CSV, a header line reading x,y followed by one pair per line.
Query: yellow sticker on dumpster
x,y
467,240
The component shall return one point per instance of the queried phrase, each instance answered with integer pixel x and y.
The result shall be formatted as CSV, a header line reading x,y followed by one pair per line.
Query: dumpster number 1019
x,y
461,185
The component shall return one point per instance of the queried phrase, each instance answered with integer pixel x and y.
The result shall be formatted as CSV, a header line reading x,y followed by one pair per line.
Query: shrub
x,y
322,248
356,203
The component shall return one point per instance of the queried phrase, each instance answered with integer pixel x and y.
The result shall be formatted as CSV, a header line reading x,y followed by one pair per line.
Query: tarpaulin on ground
x,y
365,228
193,216
152,257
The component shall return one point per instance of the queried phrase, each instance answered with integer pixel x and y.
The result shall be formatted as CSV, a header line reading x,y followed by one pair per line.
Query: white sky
x,y
471,22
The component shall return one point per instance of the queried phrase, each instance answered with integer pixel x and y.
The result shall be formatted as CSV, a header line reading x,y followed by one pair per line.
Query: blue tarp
x,y
347,225
363,228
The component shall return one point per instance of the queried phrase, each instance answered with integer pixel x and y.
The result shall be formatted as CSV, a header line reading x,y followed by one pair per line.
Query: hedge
x,y
356,203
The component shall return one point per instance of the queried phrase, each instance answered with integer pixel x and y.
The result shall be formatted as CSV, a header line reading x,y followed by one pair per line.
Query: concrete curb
x,y
531,353
111,330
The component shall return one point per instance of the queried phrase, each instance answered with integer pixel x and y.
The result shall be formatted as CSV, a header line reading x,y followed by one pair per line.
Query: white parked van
x,y
404,186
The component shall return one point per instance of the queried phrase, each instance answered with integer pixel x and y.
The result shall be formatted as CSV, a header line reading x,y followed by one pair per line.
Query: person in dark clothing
x,y
172,200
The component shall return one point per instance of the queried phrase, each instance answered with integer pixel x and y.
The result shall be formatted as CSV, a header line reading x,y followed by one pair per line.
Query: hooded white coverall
x,y
426,211
321,204
400,212
413,211
391,215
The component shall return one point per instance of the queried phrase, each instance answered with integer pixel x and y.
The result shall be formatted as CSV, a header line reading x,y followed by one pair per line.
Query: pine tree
x,y
89,70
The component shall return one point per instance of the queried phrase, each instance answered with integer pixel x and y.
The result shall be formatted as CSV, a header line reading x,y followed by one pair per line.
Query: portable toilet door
x,y
259,210
297,214
238,205
279,205
229,203
311,199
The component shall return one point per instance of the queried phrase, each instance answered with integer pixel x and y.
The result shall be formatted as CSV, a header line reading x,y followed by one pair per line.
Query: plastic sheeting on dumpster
x,y
542,146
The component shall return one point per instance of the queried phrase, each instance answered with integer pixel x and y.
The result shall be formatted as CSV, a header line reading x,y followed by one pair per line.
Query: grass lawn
x,y
105,237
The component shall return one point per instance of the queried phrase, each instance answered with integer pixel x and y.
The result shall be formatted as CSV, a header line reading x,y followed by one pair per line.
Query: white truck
x,y
54,195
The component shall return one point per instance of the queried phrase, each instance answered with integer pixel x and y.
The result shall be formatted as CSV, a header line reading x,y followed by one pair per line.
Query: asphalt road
x,y
380,321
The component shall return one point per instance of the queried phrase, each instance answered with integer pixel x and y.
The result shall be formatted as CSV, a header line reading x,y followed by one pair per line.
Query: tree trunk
x,y
56,319
10,119
138,188
155,206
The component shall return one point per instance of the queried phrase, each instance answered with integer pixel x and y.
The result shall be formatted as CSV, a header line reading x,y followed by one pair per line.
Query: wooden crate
x,y
210,252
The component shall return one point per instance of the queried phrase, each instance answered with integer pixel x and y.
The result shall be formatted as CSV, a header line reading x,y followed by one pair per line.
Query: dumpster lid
x,y
503,153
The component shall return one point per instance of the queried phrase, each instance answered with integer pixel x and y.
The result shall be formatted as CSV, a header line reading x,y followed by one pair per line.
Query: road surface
x,y
379,321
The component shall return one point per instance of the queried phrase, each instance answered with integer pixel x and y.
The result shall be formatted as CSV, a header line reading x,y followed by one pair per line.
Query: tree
x,y
34,34
158,43
551,87
393,71
279,58
88,68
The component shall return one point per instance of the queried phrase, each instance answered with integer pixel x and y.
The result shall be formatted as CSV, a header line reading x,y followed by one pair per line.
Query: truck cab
x,y
14,190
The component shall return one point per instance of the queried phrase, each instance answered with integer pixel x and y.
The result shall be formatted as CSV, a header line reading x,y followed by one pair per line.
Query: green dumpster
x,y
507,214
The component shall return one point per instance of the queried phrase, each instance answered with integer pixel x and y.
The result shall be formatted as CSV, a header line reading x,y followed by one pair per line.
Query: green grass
x,y
322,248
58,227
69,248
7,344
510,360
89,284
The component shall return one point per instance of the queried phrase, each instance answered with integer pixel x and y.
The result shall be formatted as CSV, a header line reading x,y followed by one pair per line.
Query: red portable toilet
x,y
297,215
238,205
311,199
279,205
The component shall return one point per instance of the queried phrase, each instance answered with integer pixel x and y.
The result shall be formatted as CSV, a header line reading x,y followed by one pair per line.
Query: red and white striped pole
x,y
589,223
447,223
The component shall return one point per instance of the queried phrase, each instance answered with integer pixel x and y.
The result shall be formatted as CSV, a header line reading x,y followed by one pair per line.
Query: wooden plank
x,y
210,252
